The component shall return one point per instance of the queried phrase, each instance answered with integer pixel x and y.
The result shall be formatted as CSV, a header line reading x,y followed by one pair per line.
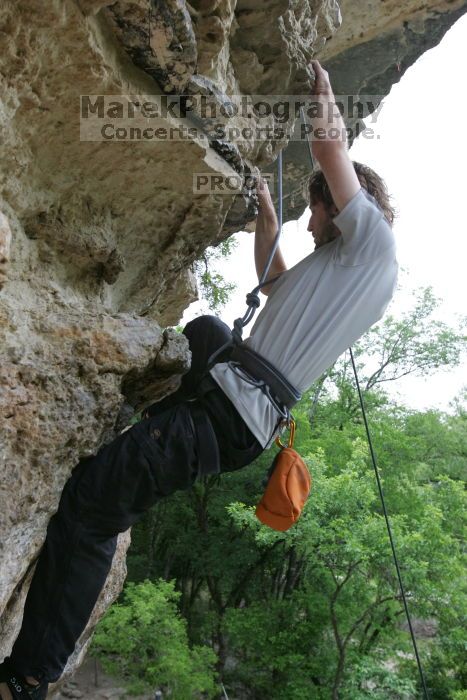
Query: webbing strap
x,y
260,368
207,447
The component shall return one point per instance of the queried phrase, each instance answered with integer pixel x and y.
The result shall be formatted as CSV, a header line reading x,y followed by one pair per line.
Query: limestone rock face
x,y
98,233
5,245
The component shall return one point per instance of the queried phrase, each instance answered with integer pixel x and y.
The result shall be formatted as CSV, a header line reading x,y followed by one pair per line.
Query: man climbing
x,y
218,420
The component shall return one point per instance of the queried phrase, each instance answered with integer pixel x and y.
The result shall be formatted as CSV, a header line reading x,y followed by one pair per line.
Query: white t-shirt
x,y
316,310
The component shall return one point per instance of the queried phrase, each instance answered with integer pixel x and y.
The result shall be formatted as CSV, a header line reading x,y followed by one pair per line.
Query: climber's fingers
x,y
322,85
262,185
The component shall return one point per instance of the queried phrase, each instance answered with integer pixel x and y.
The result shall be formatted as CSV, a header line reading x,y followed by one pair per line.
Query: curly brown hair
x,y
318,189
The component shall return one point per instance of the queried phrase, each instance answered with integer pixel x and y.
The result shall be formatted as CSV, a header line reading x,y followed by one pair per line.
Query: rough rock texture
x,y
97,238
5,246
370,53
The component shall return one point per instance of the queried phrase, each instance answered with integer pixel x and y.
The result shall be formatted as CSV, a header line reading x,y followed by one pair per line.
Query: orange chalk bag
x,y
288,487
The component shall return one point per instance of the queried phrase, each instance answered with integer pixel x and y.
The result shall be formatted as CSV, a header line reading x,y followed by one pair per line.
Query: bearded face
x,y
321,225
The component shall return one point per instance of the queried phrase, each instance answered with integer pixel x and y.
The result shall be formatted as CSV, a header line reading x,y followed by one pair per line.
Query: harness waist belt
x,y
261,369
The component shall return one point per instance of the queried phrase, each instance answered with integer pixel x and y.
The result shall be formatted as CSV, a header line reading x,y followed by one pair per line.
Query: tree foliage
x,y
213,287
143,640
415,343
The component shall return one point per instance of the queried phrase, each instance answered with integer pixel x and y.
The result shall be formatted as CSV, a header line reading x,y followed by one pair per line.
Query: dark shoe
x,y
19,687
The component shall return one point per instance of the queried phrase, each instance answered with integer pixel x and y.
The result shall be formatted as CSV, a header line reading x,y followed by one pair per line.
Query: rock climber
x,y
221,419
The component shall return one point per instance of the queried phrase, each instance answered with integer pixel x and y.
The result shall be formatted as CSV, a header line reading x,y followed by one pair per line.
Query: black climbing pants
x,y
109,492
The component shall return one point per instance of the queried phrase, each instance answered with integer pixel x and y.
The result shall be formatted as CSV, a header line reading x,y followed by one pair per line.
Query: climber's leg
x,y
237,445
205,334
13,686
105,495
108,493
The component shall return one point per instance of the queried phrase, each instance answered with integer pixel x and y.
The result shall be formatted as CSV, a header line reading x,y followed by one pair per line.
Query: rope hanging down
x,y
388,526
253,303
380,489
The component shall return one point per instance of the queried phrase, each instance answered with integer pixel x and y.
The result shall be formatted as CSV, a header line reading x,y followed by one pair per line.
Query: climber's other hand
x,y
322,85
264,196
262,188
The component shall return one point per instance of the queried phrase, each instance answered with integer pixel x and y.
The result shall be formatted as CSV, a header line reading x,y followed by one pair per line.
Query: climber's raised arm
x,y
265,233
329,141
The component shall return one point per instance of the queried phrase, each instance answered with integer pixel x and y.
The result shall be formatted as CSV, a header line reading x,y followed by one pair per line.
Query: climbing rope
x,y
380,489
253,303
252,298
388,526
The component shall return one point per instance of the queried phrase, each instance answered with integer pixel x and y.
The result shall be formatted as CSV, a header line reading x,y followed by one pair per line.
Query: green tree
x,y
214,289
348,575
143,641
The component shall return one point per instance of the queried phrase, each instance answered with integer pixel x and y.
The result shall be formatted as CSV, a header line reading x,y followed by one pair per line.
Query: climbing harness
x,y
263,373
259,367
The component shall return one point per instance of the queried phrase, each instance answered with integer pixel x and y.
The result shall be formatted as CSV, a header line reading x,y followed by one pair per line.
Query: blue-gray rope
x,y
388,526
252,298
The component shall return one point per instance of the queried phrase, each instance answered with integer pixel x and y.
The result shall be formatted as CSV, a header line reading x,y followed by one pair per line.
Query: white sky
x,y
422,155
